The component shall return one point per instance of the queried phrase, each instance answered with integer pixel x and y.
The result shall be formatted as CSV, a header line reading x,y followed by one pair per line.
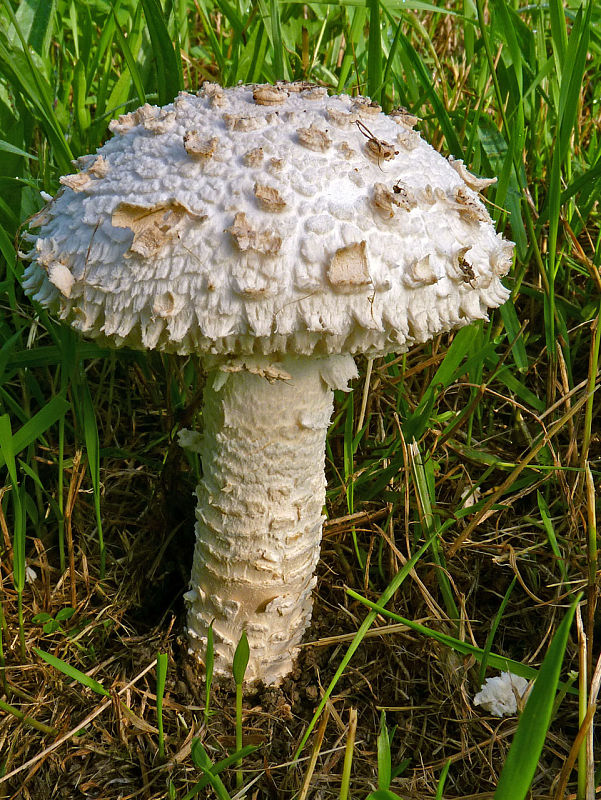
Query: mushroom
x,y
274,279
500,695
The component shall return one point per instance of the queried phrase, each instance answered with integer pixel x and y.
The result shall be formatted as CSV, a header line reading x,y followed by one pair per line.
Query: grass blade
x,y
204,763
18,497
522,759
209,664
162,660
441,112
130,61
239,666
277,43
348,755
494,659
215,769
37,425
415,425
384,758
493,629
72,672
168,63
392,588
90,429
374,52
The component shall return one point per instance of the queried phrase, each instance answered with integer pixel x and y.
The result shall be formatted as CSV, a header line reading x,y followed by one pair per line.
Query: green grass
x,y
477,460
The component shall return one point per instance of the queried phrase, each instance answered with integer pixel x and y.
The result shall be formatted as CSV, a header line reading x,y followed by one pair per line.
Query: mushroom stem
x,y
259,513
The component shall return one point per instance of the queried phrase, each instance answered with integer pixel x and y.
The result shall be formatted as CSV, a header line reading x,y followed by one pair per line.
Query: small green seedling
x,y
384,757
241,657
211,771
72,672
161,677
209,663
386,773
19,497
53,624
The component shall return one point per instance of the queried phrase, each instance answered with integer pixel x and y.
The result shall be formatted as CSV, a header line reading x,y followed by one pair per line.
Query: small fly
x,y
468,274
378,147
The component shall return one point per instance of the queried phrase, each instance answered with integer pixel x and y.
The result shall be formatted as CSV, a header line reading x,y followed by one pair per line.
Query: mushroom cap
x,y
267,220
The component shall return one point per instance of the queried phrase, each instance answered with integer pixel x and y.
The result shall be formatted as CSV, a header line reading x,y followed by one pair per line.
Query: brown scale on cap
x,y
215,93
166,304
234,122
420,273
275,165
296,86
469,208
153,119
61,276
254,157
475,183
77,182
316,93
366,107
346,150
247,238
314,138
402,117
427,195
126,122
377,148
269,198
161,123
341,118
269,95
408,139
100,168
385,199
153,226
349,269
198,146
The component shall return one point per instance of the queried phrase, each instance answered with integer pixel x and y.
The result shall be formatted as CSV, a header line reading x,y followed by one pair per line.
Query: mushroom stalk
x,y
260,503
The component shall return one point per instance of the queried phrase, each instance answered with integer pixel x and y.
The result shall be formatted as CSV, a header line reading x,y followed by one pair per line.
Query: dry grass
x,y
97,750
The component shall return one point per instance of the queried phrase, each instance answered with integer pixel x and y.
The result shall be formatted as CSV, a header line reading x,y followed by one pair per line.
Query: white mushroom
x,y
275,251
499,695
